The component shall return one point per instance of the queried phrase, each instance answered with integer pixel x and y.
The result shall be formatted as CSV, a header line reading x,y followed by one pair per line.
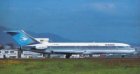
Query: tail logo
x,y
24,38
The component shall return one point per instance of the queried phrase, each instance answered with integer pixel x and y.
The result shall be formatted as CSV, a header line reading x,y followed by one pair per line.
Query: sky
x,y
79,20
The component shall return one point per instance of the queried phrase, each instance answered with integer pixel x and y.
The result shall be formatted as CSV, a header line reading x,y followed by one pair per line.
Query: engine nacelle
x,y
41,47
42,40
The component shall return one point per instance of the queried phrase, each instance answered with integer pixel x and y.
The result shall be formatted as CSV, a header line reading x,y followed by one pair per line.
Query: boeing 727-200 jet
x,y
42,45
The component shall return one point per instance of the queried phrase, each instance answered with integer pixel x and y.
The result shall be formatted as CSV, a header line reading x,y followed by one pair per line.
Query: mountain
x,y
5,39
52,37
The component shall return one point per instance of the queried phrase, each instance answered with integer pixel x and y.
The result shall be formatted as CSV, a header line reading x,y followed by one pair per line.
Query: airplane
x,y
42,45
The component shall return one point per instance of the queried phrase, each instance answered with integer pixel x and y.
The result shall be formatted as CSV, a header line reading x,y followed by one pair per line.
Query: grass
x,y
70,66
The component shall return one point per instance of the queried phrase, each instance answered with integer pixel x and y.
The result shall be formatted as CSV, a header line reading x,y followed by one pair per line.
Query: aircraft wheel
x,y
68,56
123,56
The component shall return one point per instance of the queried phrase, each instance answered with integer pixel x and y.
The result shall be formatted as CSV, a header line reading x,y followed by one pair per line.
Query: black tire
x,y
123,56
68,56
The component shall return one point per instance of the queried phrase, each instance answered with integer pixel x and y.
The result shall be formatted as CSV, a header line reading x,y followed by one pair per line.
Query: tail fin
x,y
22,38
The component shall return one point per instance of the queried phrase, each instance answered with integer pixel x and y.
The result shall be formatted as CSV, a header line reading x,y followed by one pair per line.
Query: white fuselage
x,y
86,47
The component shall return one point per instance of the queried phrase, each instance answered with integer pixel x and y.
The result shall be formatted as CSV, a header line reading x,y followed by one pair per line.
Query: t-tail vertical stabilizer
x,y
22,38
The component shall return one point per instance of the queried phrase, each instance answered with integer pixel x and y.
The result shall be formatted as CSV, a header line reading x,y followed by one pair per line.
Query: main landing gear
x,y
68,56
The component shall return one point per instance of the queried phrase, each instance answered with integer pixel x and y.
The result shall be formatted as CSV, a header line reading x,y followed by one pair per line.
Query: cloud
x,y
102,7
